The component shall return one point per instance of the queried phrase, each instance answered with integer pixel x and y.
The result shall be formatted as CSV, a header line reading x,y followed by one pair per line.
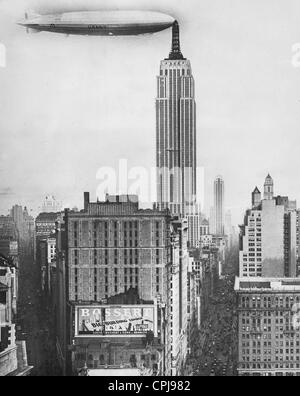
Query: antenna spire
x,y
175,52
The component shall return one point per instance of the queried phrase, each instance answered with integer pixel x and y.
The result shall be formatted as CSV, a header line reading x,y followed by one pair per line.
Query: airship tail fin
x,y
31,14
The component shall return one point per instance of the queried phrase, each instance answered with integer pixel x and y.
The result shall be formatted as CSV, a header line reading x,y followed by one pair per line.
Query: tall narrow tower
x,y
176,132
268,188
219,207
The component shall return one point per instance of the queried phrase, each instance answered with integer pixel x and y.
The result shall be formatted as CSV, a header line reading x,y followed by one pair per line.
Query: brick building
x,y
113,253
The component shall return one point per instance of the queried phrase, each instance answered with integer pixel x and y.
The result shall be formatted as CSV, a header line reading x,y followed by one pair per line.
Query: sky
x,y
71,105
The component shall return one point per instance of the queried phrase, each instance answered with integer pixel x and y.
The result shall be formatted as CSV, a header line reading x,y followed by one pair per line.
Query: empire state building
x,y
176,132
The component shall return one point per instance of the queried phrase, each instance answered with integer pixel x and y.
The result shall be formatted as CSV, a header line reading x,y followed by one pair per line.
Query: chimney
x,y
86,201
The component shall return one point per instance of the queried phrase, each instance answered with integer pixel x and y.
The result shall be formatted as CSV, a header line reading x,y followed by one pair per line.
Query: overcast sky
x,y
70,105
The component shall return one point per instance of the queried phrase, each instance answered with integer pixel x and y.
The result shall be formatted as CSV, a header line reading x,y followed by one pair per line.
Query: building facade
x,y
198,226
204,263
25,226
44,246
9,237
268,238
112,254
13,355
268,326
47,257
45,224
176,132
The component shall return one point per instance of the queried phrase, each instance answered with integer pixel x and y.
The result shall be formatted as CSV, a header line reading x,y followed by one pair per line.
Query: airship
x,y
99,23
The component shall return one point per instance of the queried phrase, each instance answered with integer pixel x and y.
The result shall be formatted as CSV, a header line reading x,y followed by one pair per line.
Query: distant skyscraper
x,y
268,188
51,205
176,132
219,211
24,223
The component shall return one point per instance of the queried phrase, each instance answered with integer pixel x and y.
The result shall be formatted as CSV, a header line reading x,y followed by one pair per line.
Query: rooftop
x,y
115,205
48,216
256,191
267,284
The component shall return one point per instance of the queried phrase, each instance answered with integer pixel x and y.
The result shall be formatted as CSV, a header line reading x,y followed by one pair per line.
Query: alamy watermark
x,y
145,183
2,55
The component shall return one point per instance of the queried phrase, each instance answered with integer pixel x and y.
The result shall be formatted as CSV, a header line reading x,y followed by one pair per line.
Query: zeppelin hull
x,y
103,29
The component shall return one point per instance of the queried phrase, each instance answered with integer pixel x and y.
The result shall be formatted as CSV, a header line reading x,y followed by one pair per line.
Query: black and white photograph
x,y
149,190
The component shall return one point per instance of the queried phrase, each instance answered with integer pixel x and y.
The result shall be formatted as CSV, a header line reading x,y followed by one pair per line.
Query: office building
x,y
197,227
51,205
114,260
47,256
176,132
268,326
9,237
25,226
45,224
268,237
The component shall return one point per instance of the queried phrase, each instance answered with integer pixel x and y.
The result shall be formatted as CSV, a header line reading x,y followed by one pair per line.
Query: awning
x,y
3,287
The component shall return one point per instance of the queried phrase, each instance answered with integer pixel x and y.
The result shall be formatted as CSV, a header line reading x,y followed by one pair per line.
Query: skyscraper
x,y
176,132
219,211
51,205
268,238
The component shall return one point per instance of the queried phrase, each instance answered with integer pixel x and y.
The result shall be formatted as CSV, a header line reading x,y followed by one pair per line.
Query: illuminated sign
x,y
108,321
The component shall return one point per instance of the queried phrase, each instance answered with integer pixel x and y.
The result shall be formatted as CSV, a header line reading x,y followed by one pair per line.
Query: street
x,y
34,324
215,351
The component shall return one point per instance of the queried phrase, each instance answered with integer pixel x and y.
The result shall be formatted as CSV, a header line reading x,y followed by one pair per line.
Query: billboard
x,y
13,248
107,321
